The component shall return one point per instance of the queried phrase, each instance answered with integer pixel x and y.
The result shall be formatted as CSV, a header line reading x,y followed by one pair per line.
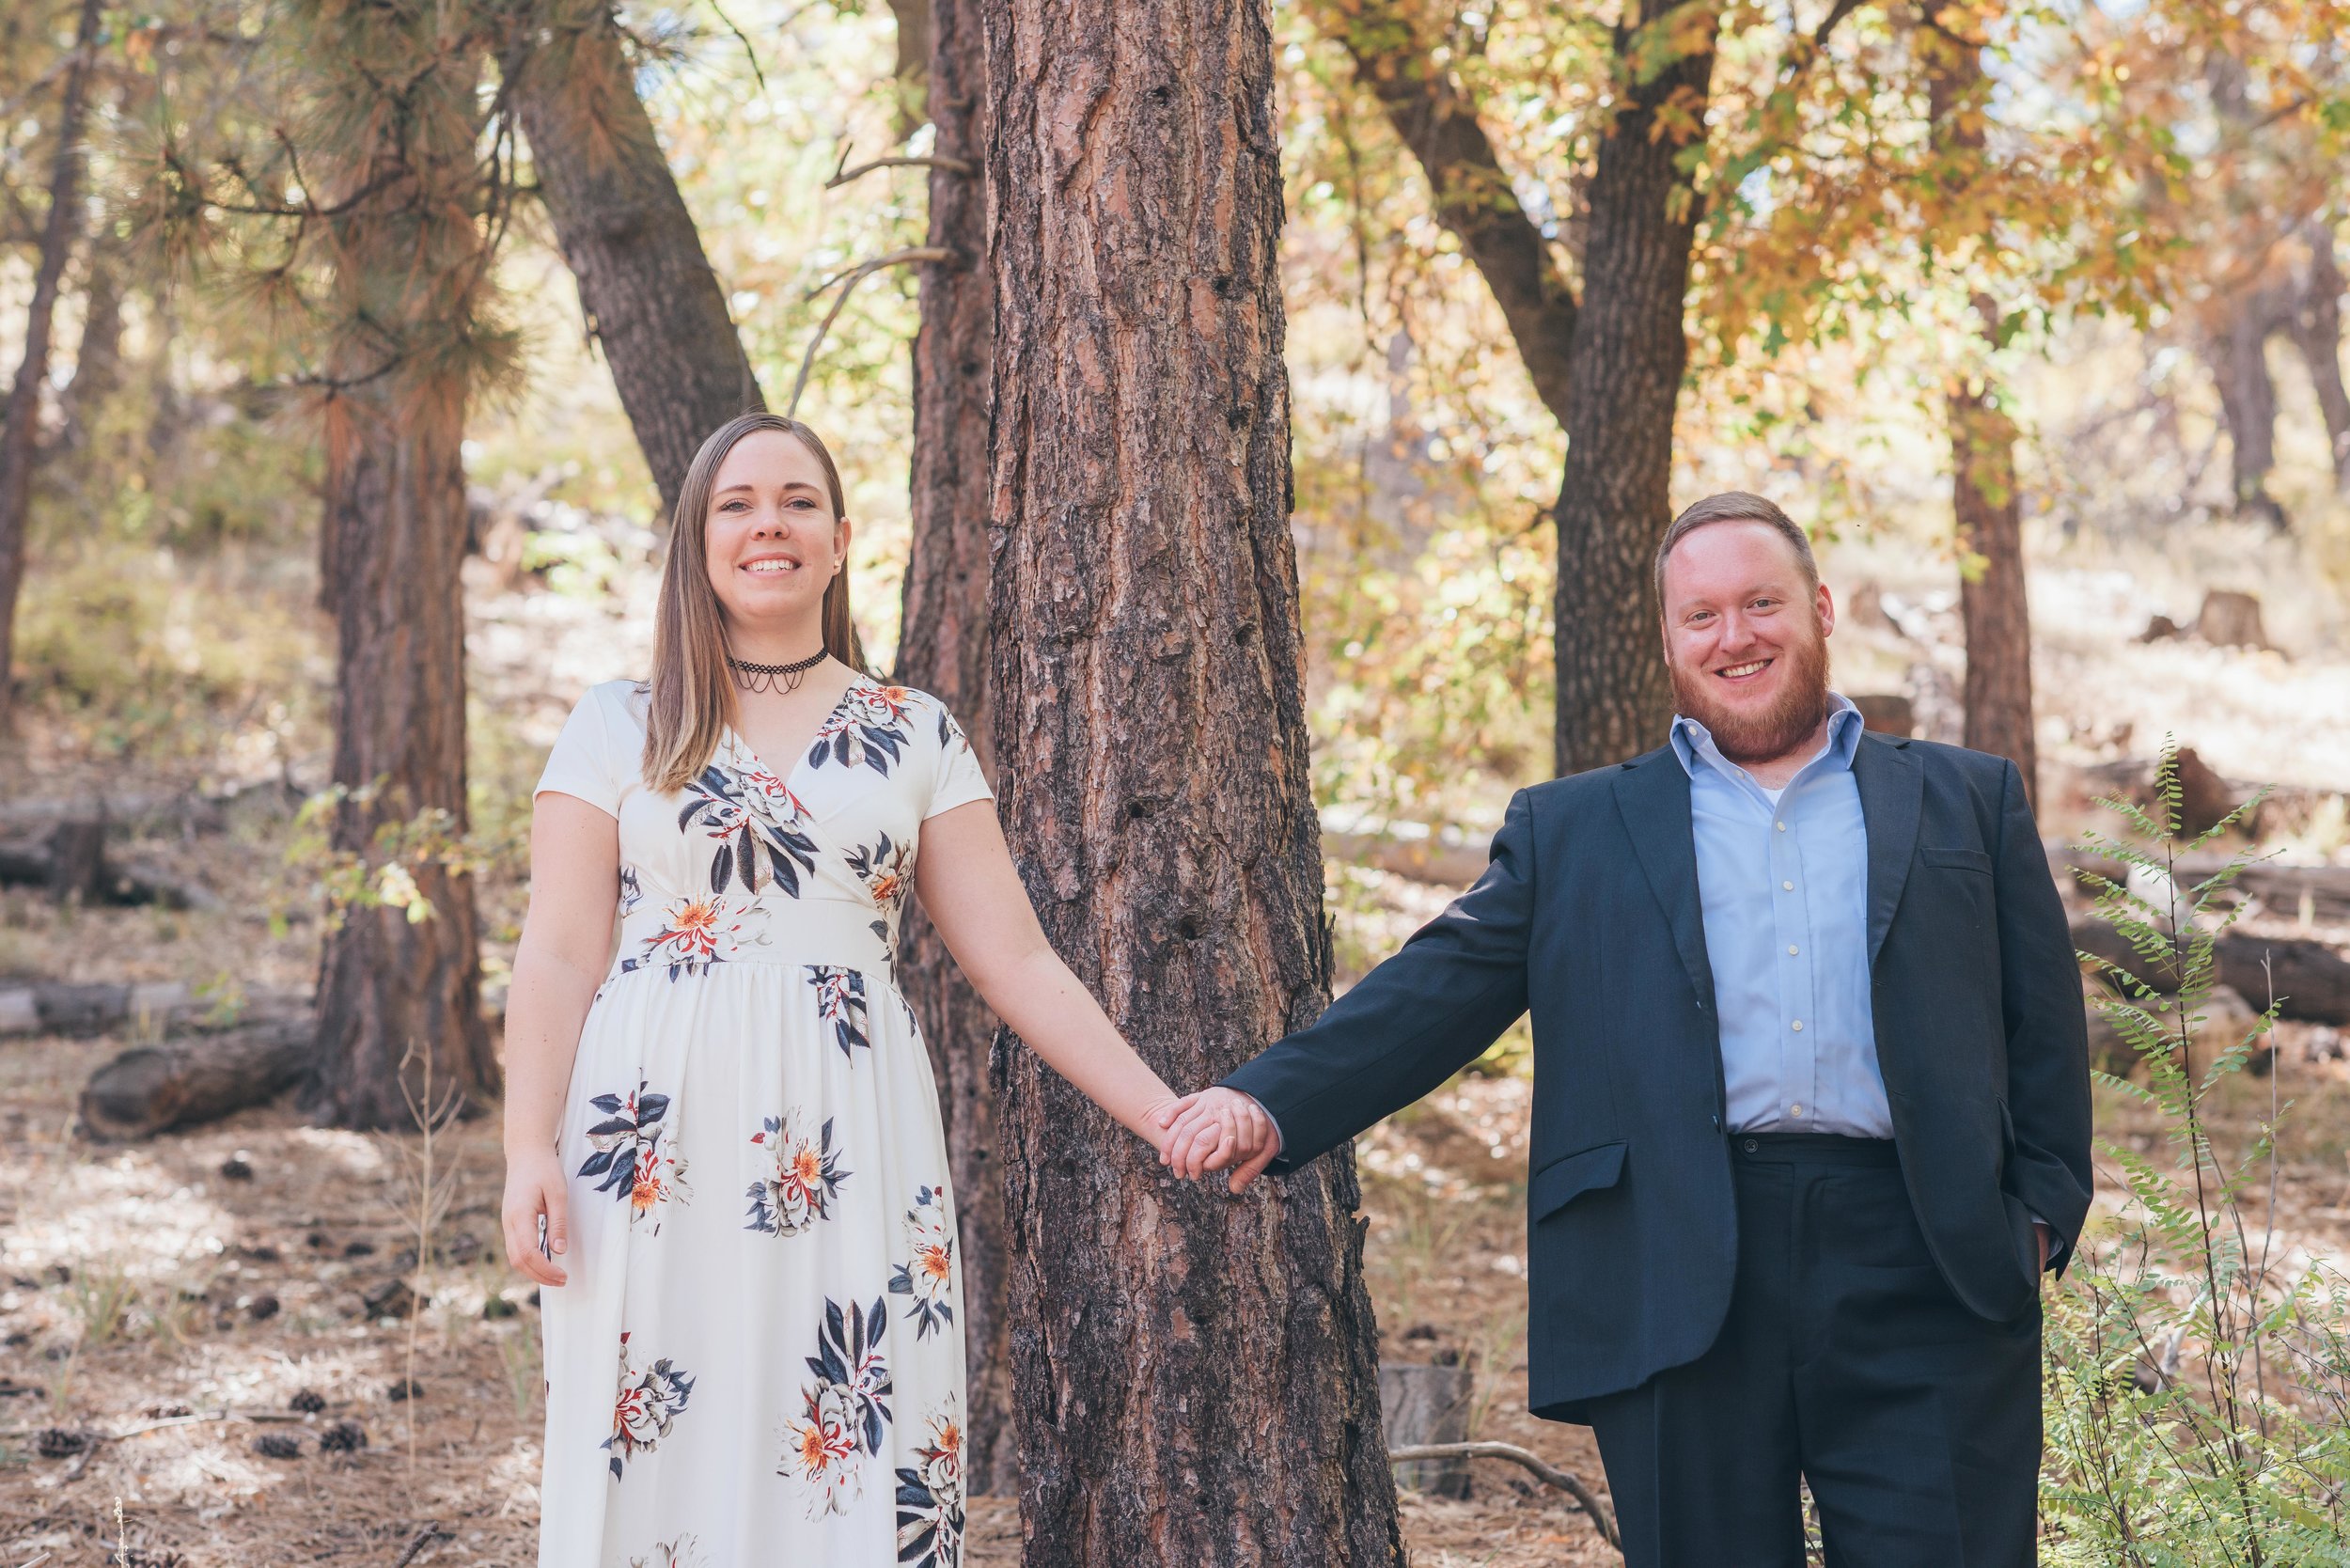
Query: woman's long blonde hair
x,y
692,691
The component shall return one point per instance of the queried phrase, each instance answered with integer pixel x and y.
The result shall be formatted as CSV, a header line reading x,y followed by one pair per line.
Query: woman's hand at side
x,y
535,1205
566,944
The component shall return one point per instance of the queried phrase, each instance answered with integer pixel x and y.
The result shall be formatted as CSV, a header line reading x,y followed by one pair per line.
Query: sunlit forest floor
x,y
145,1288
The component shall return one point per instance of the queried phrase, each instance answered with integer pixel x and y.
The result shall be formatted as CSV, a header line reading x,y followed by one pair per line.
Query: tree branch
x,y
848,281
842,174
1474,197
1565,1480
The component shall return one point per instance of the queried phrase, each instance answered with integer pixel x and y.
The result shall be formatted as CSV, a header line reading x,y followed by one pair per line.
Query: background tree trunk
x,y
1994,605
408,269
1196,1378
943,650
19,434
1624,382
2316,329
651,299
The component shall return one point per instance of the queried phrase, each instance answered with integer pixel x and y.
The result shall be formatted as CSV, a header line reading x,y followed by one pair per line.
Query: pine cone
x,y
309,1401
60,1442
343,1437
277,1444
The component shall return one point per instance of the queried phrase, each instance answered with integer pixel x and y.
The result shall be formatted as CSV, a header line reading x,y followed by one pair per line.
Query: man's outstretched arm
x,y
1408,1025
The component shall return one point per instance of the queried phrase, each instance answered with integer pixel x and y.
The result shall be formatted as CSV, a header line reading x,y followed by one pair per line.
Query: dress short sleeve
x,y
583,762
957,781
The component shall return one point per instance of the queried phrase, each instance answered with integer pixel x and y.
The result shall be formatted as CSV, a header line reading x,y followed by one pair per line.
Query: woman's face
x,y
771,541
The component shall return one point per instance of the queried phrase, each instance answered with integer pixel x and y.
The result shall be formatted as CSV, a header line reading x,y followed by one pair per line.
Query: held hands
x,y
1216,1129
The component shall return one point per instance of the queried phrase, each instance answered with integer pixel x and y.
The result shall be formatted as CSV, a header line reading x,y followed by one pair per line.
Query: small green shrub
x,y
2198,1367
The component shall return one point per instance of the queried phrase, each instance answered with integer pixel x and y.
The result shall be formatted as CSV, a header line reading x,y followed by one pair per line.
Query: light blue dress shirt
x,y
1784,883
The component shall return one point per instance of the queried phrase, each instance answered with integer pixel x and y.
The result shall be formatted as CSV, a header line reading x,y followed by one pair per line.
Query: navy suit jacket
x,y
1589,916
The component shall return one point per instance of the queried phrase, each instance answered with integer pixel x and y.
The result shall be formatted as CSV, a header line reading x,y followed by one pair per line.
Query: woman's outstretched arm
x,y
566,943
968,887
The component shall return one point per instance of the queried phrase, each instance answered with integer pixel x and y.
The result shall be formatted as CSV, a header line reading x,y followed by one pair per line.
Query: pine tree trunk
x,y
1196,1378
19,434
397,995
943,650
1994,605
1630,349
652,301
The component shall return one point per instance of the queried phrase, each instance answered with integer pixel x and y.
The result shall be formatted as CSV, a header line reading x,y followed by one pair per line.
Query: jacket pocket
x,y
1569,1177
1957,859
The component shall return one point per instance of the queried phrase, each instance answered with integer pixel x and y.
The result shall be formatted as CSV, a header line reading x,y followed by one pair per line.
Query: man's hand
x,y
2039,1229
1219,1128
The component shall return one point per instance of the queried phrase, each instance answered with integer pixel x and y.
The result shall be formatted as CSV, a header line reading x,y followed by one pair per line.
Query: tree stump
x,y
1888,712
2231,620
1421,1405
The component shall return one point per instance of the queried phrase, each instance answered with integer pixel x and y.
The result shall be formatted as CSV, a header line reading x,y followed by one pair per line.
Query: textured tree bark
x,y
1994,602
19,431
943,650
1196,1378
651,299
398,994
1624,382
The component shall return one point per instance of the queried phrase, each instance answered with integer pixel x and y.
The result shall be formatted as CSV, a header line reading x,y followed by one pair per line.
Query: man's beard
x,y
1777,729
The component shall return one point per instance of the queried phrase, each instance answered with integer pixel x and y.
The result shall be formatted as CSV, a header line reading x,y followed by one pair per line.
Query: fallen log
x,y
69,862
2309,979
63,1007
202,1078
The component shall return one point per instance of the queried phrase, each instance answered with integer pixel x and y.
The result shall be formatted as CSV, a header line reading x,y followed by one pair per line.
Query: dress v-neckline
x,y
740,743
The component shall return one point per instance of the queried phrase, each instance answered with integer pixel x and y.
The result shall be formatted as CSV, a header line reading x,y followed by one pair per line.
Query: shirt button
x,y
1791,950
1799,1026
1795,1110
1782,827
1788,886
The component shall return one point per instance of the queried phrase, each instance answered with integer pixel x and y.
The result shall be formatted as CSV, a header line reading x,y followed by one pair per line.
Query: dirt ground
x,y
146,1289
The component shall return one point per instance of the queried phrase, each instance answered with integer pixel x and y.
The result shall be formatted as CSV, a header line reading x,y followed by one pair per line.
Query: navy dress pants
x,y
1846,1362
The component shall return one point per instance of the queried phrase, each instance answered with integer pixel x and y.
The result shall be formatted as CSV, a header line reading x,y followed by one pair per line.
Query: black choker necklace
x,y
774,678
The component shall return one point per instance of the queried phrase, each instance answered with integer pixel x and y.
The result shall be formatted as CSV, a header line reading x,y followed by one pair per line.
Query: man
x,y
1810,1105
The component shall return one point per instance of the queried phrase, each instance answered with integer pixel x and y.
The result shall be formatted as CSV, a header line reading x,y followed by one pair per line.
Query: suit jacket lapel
x,y
1652,796
1892,783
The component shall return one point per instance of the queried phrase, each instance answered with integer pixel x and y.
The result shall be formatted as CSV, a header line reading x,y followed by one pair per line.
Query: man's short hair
x,y
1734,505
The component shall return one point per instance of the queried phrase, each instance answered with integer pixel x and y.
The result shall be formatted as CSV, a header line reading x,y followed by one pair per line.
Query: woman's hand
x,y
1218,1128
535,1193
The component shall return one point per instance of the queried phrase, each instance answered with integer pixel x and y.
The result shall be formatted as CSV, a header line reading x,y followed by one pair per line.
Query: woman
x,y
725,1160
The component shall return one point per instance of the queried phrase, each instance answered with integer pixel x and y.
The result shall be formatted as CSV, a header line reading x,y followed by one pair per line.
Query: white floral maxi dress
x,y
758,1357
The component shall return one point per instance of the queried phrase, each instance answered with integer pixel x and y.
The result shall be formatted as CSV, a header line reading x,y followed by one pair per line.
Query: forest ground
x,y
141,1284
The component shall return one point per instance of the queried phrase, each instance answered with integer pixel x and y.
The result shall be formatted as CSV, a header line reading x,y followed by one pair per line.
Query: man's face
x,y
1746,640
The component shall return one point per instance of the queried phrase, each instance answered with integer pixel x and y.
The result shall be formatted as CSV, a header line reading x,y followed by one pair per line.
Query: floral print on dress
x,y
805,1179
648,1403
886,870
631,890
930,1497
683,1552
698,933
840,1002
844,1414
629,1155
867,727
755,818
929,1274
